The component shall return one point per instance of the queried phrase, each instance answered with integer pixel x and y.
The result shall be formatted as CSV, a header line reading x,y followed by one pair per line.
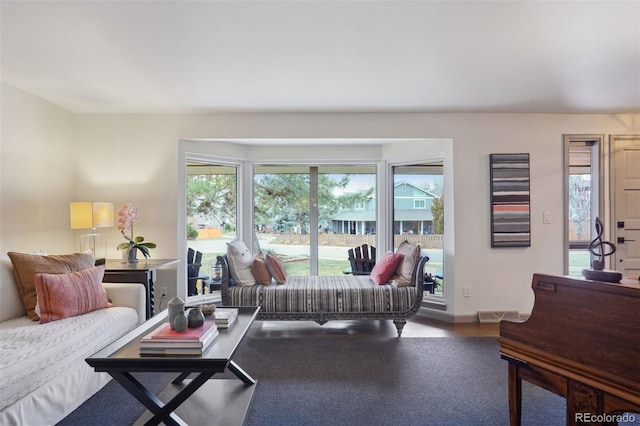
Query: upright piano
x,y
582,341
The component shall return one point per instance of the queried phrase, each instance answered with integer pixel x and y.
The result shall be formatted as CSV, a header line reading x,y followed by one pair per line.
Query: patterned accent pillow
x,y
276,269
25,266
404,275
62,296
260,270
240,259
385,267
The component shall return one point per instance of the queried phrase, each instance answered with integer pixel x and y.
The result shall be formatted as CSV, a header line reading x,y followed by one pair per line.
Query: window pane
x,y
581,201
211,213
348,214
281,215
418,215
345,214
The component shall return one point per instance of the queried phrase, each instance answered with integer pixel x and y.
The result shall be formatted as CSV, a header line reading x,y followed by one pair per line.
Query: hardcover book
x,y
164,332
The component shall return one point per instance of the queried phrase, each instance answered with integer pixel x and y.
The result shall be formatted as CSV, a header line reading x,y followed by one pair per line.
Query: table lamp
x,y
92,215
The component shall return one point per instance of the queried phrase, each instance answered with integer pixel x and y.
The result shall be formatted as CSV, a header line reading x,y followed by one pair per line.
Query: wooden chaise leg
x,y
399,325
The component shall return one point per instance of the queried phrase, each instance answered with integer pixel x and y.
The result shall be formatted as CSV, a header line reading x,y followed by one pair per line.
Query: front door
x,y
625,171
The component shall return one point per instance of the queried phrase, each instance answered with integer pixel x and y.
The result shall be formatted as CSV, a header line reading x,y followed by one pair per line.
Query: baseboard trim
x,y
437,314
446,317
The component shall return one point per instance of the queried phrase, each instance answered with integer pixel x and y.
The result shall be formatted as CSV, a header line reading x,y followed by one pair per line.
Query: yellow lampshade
x,y
90,215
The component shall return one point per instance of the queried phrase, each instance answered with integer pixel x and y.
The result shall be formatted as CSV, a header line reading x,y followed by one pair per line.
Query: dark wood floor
x,y
415,327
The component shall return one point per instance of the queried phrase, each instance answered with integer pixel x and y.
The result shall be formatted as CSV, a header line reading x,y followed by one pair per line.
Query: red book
x,y
195,334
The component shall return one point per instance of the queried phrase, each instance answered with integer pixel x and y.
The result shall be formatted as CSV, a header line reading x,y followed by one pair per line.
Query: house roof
x,y
179,56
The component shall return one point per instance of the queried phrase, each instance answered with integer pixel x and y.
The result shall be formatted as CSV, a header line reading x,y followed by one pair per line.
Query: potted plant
x,y
127,215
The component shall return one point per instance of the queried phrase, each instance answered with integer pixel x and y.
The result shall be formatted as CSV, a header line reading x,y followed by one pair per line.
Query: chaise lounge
x,y
326,298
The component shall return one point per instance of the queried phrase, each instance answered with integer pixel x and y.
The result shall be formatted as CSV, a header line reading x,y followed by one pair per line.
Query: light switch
x,y
546,217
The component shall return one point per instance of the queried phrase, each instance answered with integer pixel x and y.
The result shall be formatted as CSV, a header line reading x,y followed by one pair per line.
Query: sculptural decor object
x,y
597,248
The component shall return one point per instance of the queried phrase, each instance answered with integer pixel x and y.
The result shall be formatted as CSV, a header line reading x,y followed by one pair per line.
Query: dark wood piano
x,y
582,341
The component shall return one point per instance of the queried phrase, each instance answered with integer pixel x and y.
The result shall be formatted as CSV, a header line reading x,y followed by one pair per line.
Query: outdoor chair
x,y
362,259
194,262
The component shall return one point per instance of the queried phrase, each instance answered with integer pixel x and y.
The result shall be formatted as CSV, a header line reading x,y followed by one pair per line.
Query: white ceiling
x,y
317,56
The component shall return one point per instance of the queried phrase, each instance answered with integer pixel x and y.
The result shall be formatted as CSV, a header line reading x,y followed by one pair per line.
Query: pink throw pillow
x,y
66,295
385,267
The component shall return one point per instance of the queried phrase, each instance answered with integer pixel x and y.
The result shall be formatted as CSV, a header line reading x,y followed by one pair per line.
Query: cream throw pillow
x,y
405,273
240,259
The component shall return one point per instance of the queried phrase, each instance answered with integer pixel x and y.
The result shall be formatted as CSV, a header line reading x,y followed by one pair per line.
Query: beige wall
x,y
134,158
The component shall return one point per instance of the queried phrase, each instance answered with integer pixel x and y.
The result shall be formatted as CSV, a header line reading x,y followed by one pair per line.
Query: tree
x,y
213,196
282,200
437,210
580,205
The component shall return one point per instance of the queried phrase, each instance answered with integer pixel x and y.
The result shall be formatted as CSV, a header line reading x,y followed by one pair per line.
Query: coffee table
x,y
188,401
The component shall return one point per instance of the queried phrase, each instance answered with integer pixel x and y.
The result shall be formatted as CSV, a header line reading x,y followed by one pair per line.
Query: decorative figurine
x,y
597,271
174,306
196,318
180,322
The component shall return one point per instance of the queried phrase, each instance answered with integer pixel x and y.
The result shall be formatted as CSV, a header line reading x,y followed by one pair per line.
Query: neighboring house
x,y
412,213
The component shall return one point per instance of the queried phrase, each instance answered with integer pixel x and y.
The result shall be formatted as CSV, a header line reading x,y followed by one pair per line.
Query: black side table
x,y
143,272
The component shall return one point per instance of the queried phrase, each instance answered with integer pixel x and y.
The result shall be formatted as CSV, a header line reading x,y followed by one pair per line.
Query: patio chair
x,y
362,259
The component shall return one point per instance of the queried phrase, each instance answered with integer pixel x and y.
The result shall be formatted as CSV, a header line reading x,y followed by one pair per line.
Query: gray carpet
x,y
356,380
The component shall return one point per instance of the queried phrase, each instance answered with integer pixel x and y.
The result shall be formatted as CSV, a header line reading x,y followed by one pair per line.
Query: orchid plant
x,y
127,215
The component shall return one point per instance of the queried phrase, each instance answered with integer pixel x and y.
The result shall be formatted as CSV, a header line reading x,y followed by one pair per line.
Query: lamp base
x,y
605,275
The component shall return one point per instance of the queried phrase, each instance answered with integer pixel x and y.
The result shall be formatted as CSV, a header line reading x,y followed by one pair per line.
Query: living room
x,y
89,142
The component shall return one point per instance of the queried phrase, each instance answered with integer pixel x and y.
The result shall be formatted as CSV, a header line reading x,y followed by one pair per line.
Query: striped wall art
x,y
510,200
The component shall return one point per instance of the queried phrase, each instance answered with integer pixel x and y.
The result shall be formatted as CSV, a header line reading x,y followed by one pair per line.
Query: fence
x,y
431,241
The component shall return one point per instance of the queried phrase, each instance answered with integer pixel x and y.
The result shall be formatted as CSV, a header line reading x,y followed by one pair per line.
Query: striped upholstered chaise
x,y
326,298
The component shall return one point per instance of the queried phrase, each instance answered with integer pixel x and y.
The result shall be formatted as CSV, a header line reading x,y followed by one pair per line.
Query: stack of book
x,y
163,341
224,317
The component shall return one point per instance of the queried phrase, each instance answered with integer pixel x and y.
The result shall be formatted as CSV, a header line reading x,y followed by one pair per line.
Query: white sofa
x,y
43,373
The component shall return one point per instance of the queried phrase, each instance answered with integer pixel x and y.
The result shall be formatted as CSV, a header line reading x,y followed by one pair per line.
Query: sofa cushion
x,y
325,294
62,296
385,267
276,269
240,260
260,270
404,275
25,266
44,373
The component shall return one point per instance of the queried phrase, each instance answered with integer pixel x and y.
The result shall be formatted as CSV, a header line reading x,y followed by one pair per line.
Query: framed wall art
x,y
510,200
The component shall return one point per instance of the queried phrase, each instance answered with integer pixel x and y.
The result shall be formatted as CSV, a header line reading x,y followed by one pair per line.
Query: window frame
x,y
382,153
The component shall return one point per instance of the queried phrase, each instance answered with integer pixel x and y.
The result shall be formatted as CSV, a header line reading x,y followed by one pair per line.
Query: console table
x,y
143,272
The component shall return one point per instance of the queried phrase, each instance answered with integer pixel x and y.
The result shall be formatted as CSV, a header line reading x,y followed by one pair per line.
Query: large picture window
x,y
309,216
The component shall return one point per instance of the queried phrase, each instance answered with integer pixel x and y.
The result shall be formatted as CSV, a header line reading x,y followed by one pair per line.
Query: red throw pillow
x,y
276,269
66,295
385,267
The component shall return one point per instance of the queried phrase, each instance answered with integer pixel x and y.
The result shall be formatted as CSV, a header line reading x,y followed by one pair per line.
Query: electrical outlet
x,y
466,291
163,291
